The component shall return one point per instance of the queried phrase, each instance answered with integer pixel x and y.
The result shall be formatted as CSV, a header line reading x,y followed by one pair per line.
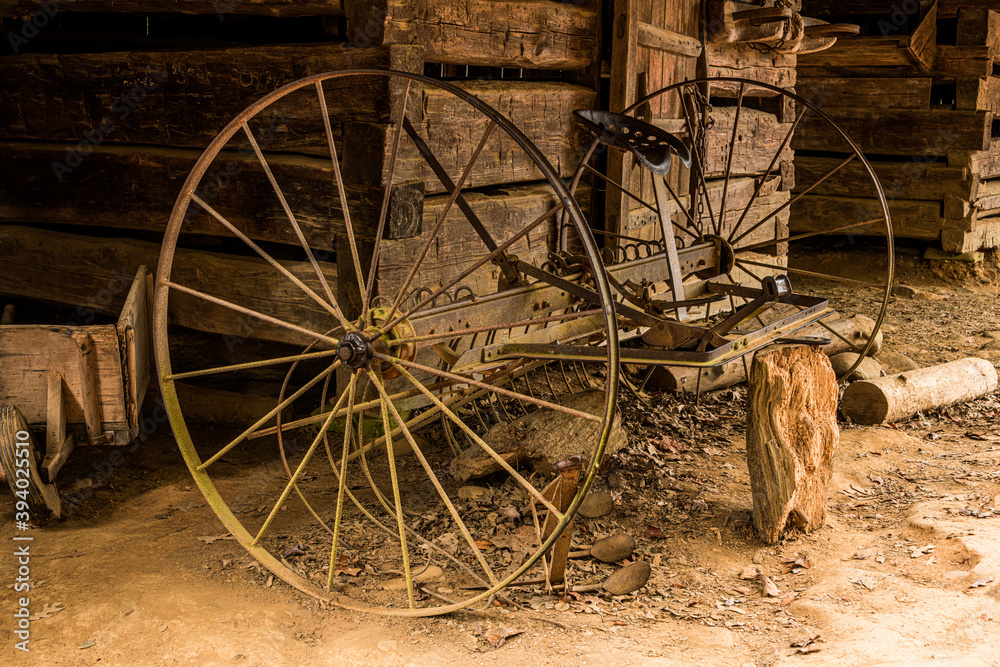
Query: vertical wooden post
x,y
792,435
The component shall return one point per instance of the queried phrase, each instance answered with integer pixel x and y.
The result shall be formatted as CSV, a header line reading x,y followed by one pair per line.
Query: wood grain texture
x,y
276,8
792,436
869,92
899,396
94,275
913,179
536,34
910,219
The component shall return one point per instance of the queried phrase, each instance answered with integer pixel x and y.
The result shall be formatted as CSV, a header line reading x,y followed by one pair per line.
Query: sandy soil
x,y
906,572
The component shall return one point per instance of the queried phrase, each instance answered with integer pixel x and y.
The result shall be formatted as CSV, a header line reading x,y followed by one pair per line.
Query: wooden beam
x,y
537,34
962,61
874,93
897,131
275,8
94,275
910,219
742,60
184,98
914,179
974,93
667,40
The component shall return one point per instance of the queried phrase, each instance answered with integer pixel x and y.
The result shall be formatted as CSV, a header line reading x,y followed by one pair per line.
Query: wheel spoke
x,y
699,163
251,364
291,217
485,260
369,286
793,200
489,387
270,415
387,405
729,159
295,477
342,478
247,311
482,443
806,235
341,192
432,237
767,172
813,274
328,306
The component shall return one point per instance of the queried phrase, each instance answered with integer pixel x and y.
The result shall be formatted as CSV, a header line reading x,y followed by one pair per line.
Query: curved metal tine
x,y
812,274
562,369
338,177
270,415
250,364
288,213
794,199
770,168
330,307
467,272
699,162
729,159
292,482
387,407
247,311
806,235
482,443
369,286
394,478
342,481
432,237
493,388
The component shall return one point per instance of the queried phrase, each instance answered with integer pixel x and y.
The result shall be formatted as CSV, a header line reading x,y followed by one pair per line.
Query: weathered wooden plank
x,y
30,351
897,131
872,93
973,93
135,188
759,137
184,98
662,39
986,234
914,179
496,33
276,8
984,164
452,129
742,60
94,274
962,61
979,27
504,212
866,52
950,8
910,219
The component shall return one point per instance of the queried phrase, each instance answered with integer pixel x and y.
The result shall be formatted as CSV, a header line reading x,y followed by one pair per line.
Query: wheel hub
x,y
354,350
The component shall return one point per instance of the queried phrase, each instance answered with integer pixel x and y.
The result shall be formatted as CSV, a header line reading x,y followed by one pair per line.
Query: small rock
x,y
628,579
905,291
992,345
995,335
472,493
899,363
869,369
596,505
614,548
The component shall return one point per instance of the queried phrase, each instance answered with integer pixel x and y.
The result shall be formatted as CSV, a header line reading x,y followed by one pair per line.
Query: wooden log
x,y
791,438
536,34
276,8
135,187
94,275
871,93
984,164
916,52
910,132
910,219
759,138
742,60
914,179
662,39
176,98
984,233
951,8
962,61
974,93
979,27
677,378
899,396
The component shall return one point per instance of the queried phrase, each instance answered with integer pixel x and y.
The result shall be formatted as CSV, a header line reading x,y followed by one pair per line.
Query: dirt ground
x,y
906,572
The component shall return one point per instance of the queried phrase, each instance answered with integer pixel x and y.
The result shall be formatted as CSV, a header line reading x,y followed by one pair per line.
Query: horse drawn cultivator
x,y
455,354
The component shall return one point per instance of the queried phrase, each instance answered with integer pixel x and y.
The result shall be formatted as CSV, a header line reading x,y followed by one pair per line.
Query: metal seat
x,y
652,146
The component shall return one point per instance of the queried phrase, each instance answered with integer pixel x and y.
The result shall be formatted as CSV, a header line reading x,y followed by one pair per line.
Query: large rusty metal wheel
x,y
728,202
391,364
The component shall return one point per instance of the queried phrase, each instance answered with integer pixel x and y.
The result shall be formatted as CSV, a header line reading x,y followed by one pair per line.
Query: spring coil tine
x,y
562,369
548,380
449,435
479,416
464,292
583,383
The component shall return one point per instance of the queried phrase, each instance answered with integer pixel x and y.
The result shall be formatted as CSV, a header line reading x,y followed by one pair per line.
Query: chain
x,y
703,107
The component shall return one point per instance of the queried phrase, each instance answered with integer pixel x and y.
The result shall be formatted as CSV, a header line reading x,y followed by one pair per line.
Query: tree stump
x,y
792,435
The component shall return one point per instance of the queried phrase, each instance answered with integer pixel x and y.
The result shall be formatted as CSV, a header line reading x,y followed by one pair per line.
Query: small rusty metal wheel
x,y
697,179
409,357
20,462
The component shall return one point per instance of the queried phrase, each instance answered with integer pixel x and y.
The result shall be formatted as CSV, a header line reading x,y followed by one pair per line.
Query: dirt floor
x,y
906,572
